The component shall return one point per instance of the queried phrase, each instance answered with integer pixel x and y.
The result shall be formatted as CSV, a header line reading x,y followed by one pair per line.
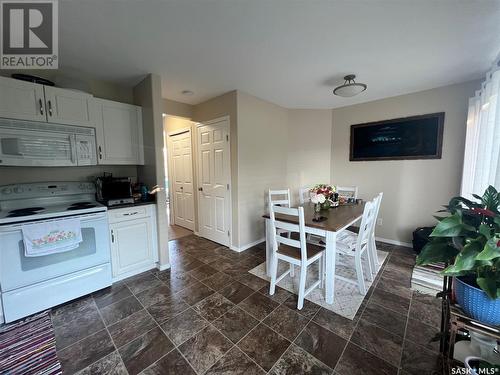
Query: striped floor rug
x,y
29,347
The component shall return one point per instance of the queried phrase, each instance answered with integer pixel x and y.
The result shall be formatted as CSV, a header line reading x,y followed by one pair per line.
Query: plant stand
x,y
453,321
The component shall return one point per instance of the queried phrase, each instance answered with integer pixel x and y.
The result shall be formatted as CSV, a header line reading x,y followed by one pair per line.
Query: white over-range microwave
x,y
30,143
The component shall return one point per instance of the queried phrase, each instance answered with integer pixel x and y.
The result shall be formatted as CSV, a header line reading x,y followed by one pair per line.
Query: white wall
x,y
309,148
413,189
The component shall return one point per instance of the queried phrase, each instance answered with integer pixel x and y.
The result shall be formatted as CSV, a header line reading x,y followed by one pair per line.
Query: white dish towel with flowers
x,y
51,237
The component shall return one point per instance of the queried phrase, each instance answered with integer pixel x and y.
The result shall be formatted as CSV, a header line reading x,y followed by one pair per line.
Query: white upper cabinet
x,y
118,132
21,100
69,107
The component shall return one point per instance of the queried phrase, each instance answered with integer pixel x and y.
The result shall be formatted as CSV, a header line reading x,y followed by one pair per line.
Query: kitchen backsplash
x,y
13,175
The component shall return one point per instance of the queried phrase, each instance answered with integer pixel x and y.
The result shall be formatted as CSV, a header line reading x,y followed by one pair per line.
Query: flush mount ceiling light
x,y
350,87
187,93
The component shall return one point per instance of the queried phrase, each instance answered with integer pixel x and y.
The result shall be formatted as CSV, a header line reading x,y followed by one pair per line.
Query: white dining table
x,y
337,220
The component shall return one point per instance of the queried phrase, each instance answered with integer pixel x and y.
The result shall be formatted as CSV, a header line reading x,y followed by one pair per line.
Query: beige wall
x,y
309,149
171,107
174,123
225,105
262,161
275,147
413,189
147,94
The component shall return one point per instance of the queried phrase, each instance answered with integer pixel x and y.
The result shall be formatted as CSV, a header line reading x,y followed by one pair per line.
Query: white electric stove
x,y
32,284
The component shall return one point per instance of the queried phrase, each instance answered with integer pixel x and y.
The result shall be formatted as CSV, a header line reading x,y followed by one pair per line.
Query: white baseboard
x,y
162,267
394,242
196,233
247,246
134,272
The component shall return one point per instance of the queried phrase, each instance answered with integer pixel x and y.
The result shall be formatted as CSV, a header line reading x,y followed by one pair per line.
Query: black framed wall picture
x,y
416,137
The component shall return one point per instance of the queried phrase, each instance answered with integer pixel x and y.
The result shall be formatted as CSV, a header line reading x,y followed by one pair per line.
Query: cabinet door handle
x,y
100,152
41,106
50,108
112,236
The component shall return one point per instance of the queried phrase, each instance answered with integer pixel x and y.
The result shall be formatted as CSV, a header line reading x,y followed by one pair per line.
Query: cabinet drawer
x,y
129,213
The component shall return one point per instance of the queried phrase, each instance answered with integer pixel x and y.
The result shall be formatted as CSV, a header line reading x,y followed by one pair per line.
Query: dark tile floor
x,y
208,315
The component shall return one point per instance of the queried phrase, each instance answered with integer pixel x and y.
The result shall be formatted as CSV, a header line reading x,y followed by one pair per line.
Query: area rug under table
x,y
347,299
29,347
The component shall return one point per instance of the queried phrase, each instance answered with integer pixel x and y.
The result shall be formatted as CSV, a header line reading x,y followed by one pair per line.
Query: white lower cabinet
x,y
133,240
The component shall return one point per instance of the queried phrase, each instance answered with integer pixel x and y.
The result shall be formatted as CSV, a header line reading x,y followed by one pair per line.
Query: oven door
x,y
17,271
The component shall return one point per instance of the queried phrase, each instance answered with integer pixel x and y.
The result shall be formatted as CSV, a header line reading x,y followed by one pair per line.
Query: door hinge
x,y
227,186
227,137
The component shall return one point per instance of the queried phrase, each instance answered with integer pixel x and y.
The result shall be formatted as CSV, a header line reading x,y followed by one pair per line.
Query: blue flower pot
x,y
477,304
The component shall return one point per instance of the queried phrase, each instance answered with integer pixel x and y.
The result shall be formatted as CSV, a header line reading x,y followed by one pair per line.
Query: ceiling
x,y
290,52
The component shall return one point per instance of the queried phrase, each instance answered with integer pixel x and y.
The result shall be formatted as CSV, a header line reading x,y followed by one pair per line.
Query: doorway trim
x,y
170,170
210,122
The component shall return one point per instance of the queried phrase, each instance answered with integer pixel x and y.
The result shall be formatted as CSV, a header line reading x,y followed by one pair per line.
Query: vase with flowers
x,y
328,194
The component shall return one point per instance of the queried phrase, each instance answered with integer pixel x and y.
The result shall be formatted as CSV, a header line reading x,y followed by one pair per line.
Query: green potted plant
x,y
468,239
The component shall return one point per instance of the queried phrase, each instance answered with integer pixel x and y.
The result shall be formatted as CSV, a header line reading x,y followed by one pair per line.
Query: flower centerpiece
x,y
327,192
468,239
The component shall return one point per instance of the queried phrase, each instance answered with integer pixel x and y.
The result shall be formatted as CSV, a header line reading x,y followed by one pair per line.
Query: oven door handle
x,y
83,219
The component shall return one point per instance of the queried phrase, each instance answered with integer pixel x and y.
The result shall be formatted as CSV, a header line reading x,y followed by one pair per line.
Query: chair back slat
x,y
288,241
365,229
287,226
280,202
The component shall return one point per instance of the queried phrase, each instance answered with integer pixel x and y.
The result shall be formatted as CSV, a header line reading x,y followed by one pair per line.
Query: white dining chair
x,y
348,191
304,195
295,252
357,246
373,245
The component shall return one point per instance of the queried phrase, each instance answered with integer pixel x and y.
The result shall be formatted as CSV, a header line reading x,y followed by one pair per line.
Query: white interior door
x,y
214,203
182,179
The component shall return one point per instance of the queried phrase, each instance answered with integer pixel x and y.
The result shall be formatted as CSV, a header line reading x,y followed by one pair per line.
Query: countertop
x,y
140,203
